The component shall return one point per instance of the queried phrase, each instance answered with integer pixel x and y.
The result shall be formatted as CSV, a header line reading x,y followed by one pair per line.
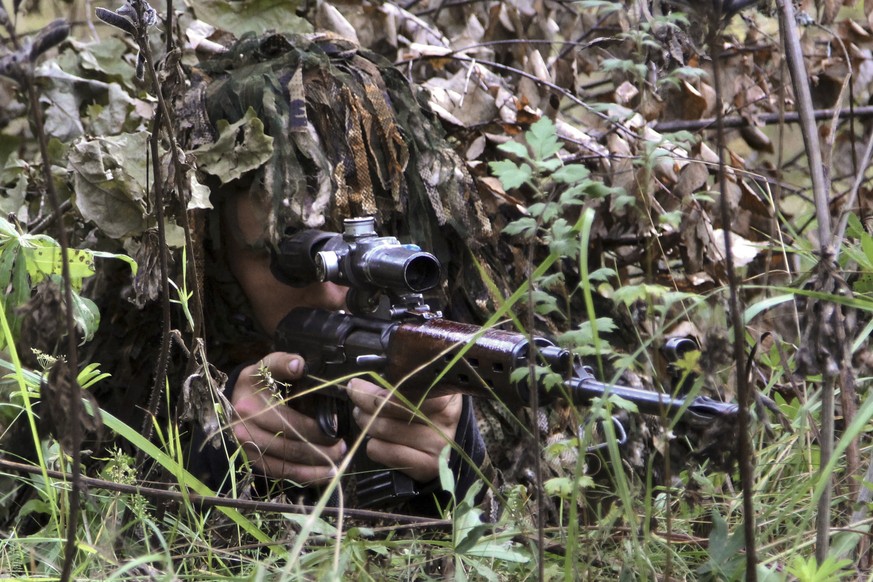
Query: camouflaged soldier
x,y
347,138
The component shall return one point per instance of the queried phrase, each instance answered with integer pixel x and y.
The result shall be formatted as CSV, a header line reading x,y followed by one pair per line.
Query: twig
x,y
765,118
846,379
205,501
744,393
556,88
43,223
164,352
853,195
821,355
22,69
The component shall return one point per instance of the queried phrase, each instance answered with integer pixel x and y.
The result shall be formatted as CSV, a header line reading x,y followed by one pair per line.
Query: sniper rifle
x,y
391,331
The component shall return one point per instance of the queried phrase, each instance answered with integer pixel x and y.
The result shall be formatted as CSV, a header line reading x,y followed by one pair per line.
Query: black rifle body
x,y
418,355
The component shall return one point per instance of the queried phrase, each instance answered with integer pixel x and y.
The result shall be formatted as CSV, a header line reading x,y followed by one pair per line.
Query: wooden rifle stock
x,y
428,356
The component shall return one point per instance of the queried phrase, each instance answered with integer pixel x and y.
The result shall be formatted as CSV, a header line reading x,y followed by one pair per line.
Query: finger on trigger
x,y
373,399
365,395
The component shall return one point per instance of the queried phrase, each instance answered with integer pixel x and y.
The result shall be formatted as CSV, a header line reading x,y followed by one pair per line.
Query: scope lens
x,y
422,273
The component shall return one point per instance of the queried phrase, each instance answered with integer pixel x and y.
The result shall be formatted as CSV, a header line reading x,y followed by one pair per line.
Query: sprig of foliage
x,y
27,259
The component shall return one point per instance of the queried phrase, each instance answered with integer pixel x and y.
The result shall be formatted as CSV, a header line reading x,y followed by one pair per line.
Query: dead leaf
x,y
110,180
756,139
692,179
203,398
626,92
57,394
241,146
744,251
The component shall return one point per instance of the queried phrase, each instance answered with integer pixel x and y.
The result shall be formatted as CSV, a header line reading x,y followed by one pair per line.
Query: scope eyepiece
x,y
292,262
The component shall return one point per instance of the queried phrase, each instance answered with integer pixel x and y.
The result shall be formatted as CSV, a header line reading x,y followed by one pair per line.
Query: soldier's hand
x,y
399,438
278,440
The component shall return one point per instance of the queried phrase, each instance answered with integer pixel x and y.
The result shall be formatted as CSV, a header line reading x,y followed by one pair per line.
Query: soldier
x,y
349,139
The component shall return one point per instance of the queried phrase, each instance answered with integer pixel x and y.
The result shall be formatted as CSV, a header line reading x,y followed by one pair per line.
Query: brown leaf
x,y
200,393
692,178
756,139
626,92
829,10
58,392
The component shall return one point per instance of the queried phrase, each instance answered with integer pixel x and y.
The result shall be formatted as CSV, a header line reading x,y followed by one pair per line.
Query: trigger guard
x,y
327,417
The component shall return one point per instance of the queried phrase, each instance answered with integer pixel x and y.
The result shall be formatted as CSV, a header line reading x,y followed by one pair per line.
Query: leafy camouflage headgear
x,y
345,136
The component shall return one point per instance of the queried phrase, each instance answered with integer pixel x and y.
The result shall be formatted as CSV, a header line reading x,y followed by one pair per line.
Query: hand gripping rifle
x,y
391,331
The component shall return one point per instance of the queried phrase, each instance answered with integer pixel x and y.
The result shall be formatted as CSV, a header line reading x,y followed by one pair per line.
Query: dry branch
x,y
764,118
208,501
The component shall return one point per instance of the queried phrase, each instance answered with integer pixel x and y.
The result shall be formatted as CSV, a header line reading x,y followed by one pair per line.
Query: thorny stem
x,y
163,115
75,401
746,452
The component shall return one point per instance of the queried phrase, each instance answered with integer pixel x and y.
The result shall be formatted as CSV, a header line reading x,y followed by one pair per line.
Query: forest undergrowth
x,y
647,172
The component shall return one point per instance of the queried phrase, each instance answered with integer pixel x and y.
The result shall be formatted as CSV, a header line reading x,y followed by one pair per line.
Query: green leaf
x,y
563,486
510,174
673,218
106,57
526,226
469,529
545,303
602,274
447,478
606,6
809,570
632,293
241,147
543,139
514,148
8,252
571,174
552,281
855,227
45,260
129,260
259,16
584,335
725,559
867,246
548,166
501,552
86,315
